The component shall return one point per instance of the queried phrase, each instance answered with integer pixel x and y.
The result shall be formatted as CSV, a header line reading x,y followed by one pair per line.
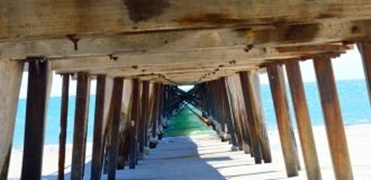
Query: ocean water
x,y
352,95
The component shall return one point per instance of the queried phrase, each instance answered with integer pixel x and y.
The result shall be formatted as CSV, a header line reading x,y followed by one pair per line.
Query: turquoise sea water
x,y
352,95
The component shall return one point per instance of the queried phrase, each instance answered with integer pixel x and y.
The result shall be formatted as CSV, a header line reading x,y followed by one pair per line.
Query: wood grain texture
x,y
333,119
277,84
249,97
303,121
239,112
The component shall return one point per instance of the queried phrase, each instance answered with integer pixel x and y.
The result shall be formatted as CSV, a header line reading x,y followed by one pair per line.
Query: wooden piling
x,y
277,84
252,115
219,107
144,117
63,125
303,121
97,153
333,119
265,145
118,84
154,111
37,94
78,148
239,114
133,124
10,80
365,50
148,121
227,111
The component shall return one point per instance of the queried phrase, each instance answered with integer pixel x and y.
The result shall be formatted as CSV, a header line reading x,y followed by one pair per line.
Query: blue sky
x,y
347,66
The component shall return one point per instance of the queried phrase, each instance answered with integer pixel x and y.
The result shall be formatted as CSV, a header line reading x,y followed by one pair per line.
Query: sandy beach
x,y
205,157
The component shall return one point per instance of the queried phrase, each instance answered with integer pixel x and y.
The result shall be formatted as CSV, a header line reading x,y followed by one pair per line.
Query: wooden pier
x,y
139,52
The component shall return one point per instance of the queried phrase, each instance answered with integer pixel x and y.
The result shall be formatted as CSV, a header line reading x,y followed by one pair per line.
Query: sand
x,y
205,157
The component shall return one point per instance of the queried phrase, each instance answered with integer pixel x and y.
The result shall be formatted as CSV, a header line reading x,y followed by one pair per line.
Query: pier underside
x,y
139,51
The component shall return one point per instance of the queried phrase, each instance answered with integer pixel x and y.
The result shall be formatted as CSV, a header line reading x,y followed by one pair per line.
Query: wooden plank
x,y
144,111
117,93
133,124
365,50
10,79
333,119
78,148
303,121
37,95
252,116
277,84
96,164
227,112
63,125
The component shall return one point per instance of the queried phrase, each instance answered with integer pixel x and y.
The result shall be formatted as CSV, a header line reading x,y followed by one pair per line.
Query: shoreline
x,y
20,149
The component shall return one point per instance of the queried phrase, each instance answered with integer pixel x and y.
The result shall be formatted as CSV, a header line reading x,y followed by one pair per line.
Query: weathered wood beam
x,y
333,119
10,79
39,82
80,125
252,115
117,93
33,21
148,61
365,50
277,84
63,125
96,164
303,121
